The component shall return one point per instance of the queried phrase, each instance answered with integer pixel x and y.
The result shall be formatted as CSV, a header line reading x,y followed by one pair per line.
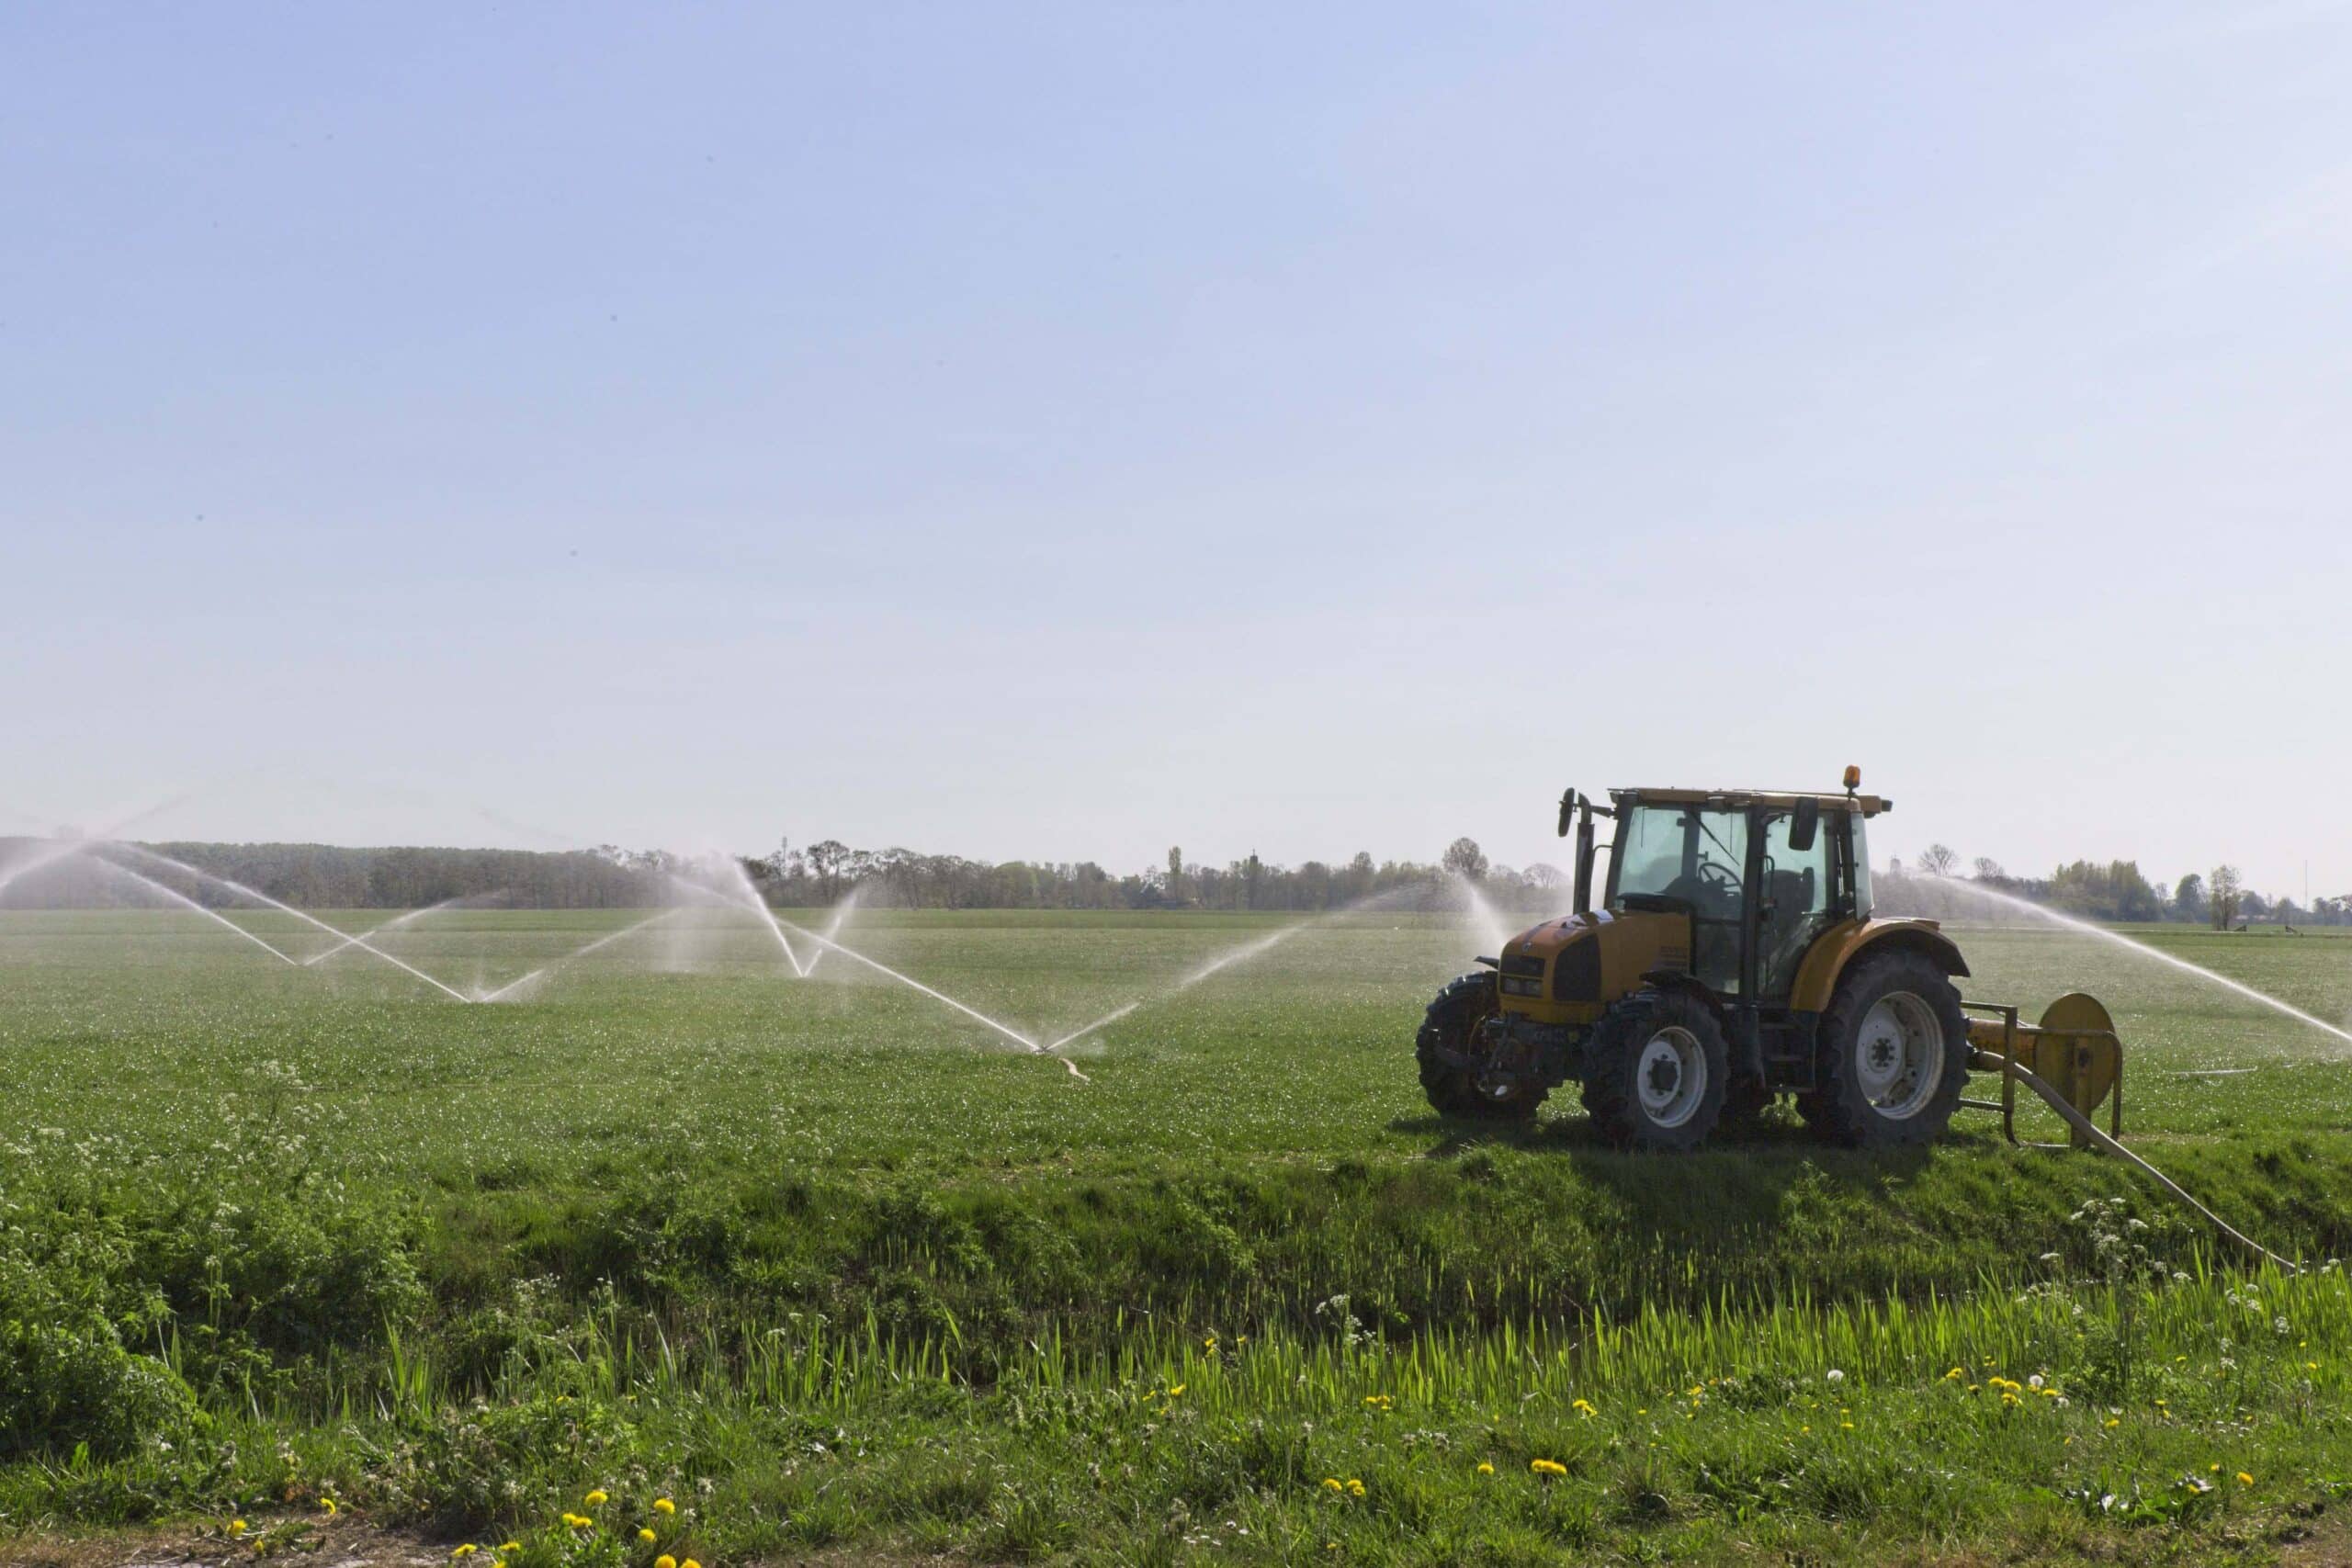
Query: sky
x,y
1065,432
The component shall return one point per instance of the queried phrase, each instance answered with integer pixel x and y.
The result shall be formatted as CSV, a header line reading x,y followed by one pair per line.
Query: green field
x,y
834,1266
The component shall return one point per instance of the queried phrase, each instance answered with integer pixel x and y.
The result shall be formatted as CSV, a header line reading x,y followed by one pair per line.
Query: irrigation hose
x,y
2099,1140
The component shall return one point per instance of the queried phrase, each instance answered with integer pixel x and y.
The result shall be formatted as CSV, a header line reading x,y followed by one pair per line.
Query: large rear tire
x,y
1451,1025
1658,1068
1893,1053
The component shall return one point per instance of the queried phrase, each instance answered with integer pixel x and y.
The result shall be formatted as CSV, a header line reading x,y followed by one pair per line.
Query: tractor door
x,y
1798,895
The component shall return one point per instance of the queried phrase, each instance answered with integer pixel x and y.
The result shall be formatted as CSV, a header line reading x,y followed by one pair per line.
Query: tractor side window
x,y
1799,889
1862,868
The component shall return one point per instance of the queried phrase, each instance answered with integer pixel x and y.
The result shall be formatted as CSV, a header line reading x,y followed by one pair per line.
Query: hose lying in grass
x,y
2090,1129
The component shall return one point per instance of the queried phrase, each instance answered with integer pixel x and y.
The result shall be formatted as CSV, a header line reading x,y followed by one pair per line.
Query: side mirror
x,y
1567,812
1804,823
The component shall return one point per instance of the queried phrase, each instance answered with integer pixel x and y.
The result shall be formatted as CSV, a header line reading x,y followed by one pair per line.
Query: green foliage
x,y
820,1263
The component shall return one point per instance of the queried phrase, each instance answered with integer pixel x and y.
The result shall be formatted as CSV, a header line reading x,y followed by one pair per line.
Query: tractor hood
x,y
1566,970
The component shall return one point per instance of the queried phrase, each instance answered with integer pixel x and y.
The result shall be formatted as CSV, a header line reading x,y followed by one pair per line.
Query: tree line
x,y
2110,890
329,877
323,876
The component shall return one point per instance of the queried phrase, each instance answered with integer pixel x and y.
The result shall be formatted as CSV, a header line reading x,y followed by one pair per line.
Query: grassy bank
x,y
819,1263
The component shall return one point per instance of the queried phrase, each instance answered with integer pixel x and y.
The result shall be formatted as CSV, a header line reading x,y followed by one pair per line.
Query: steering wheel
x,y
1711,889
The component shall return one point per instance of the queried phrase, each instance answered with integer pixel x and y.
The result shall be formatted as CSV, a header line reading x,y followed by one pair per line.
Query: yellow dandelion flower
x,y
690,1562
1174,1389
664,1506
466,1551
665,1561
1846,1425
236,1526
645,1535
1331,1483
1955,1375
1547,1467
2113,1422
510,1546
328,1503
2243,1479
1355,1487
1485,1469
596,1499
1584,1407
1803,1431
2311,1365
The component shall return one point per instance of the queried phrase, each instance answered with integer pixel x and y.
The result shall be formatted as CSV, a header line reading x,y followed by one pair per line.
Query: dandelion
x,y
664,1506
1955,1375
1485,1469
645,1535
690,1562
2311,1365
665,1561
236,1526
328,1503
596,1499
1584,1407
1174,1389
1547,1467
464,1552
1835,1375
507,1546
2243,1479
2113,1422
1355,1487
1331,1483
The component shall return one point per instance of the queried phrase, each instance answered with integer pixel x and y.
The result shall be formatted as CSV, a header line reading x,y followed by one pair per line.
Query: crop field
x,y
830,1266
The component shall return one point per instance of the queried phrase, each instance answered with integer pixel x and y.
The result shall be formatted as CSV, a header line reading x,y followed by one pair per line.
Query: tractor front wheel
x,y
1893,1052
1658,1069
1451,1029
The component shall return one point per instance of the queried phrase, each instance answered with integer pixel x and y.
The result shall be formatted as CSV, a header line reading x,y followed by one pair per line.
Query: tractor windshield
x,y
1686,852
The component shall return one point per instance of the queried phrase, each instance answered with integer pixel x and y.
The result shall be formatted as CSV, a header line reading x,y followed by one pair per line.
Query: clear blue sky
x,y
1068,430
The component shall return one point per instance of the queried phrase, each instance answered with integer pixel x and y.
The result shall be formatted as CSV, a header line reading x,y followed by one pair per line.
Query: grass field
x,y
828,1263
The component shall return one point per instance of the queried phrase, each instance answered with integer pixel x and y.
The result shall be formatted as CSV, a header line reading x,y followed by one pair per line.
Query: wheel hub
x,y
1670,1076
1899,1054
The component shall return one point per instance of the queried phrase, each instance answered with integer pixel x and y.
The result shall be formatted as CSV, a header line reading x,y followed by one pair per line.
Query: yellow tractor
x,y
1734,958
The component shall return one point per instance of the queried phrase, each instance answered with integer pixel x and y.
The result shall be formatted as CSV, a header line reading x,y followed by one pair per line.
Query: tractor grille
x,y
1576,974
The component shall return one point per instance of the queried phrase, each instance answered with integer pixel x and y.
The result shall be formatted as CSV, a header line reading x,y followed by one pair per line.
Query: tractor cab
x,y
1757,876
1731,958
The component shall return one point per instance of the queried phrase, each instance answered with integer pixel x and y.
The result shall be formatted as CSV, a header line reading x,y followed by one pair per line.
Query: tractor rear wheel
x,y
1658,1068
1894,1053
1451,1028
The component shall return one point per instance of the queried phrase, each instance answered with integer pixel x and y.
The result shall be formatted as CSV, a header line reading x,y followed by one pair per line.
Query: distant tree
x,y
1937,860
828,862
1465,858
1989,870
2188,897
1544,878
1175,875
2223,893
1252,874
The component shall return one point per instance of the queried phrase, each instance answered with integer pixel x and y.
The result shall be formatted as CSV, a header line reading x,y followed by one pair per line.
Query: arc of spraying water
x,y
2145,951
578,952
259,898
375,932
179,897
1241,952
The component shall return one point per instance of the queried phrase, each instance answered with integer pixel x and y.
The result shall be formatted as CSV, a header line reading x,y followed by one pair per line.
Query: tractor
x,y
1732,958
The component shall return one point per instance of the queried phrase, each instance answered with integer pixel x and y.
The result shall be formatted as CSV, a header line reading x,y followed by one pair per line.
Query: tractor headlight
x,y
1515,986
